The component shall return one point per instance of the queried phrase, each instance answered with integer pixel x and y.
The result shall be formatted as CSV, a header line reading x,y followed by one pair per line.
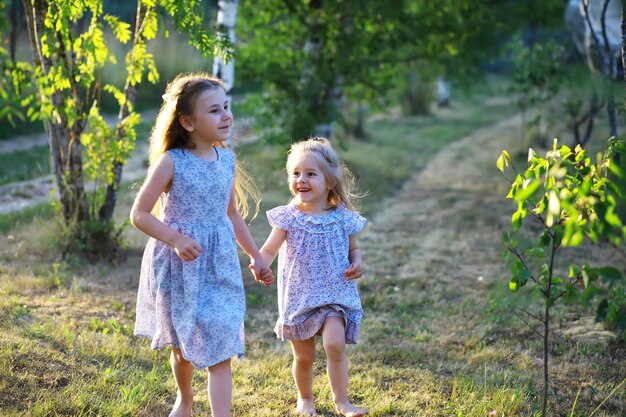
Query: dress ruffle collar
x,y
309,220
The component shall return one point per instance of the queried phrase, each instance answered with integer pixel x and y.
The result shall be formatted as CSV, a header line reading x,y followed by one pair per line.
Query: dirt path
x,y
443,229
23,194
443,222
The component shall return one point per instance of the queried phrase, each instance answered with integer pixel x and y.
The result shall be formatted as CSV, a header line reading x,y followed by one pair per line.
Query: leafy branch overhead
x,y
63,88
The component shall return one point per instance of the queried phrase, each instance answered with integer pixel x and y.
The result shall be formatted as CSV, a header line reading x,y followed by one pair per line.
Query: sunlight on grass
x,y
66,343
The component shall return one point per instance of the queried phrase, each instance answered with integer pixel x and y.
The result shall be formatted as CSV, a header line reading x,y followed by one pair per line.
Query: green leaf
x,y
612,219
541,205
506,237
151,25
523,277
545,239
574,270
610,274
575,239
571,294
504,160
512,191
554,208
121,30
616,170
535,252
513,284
565,152
516,220
527,191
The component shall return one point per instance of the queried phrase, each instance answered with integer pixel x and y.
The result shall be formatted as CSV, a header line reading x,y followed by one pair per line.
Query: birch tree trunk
x,y
624,48
226,20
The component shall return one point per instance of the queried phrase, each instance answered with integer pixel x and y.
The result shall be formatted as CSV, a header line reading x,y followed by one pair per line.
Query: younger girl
x,y
317,294
191,293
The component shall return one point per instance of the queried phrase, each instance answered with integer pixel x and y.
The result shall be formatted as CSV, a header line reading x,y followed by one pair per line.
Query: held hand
x,y
267,276
186,248
262,272
354,271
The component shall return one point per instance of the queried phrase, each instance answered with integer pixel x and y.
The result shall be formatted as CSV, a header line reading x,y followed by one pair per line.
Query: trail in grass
x,y
439,239
444,224
23,194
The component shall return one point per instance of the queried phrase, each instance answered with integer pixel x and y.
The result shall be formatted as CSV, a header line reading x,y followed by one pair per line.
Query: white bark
x,y
226,18
443,92
602,54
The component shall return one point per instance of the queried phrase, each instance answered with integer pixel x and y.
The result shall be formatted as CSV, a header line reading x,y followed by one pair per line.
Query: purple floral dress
x,y
197,306
311,272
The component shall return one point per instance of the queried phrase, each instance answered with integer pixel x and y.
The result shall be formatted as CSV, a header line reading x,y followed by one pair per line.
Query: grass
x,y
66,344
14,220
24,165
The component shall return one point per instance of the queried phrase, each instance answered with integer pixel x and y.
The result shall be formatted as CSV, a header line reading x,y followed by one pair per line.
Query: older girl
x,y
191,293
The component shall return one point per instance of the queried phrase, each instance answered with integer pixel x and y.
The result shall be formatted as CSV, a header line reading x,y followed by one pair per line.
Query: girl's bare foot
x,y
306,407
348,410
181,408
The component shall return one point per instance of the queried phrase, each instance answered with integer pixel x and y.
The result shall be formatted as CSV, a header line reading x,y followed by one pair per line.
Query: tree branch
x,y
529,313
607,47
516,253
527,324
593,33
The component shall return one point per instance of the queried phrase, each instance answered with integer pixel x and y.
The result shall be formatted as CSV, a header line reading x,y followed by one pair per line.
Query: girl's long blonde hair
x,y
168,133
337,175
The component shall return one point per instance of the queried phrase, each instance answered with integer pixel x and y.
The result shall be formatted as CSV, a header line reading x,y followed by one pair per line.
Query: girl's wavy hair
x,y
337,175
168,133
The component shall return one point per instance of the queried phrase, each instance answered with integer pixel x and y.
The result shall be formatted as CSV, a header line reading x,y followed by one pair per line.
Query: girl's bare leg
x,y
183,371
334,337
302,369
220,388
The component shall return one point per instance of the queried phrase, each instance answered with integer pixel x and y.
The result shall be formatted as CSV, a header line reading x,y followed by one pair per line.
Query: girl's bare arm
x,y
355,270
259,267
272,244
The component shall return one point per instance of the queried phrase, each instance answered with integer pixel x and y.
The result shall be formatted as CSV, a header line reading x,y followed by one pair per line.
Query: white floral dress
x,y
311,272
197,306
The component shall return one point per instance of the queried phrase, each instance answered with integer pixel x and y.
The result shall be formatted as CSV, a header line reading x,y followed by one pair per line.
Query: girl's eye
x,y
312,174
295,174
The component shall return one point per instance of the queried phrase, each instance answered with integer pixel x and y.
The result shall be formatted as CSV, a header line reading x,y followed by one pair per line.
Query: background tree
x,y
570,198
224,67
308,56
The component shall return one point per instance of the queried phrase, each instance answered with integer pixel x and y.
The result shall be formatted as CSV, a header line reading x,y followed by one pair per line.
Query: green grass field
x,y
67,349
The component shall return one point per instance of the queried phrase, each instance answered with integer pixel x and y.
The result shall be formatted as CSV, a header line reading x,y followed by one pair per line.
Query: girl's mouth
x,y
303,190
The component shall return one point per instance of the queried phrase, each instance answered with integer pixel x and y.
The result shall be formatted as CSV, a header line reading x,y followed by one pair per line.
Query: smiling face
x,y
307,182
211,119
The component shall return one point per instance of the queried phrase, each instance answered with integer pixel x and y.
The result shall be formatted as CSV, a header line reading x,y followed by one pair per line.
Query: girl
x,y
316,269
191,293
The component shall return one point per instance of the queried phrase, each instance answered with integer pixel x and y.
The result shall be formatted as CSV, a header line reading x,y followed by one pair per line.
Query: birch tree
x,y
223,67
602,43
